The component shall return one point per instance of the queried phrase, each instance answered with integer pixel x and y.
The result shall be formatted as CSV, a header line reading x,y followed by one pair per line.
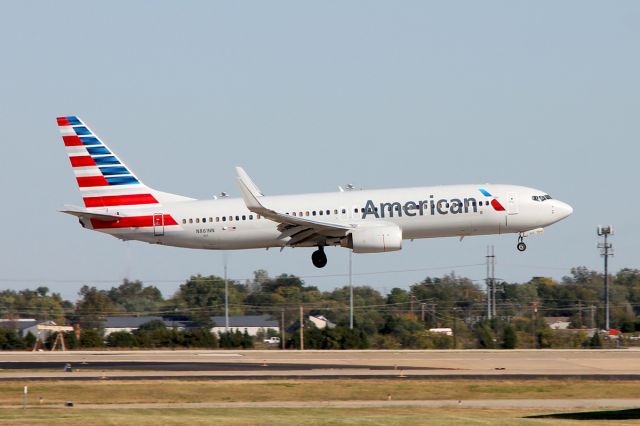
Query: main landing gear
x,y
521,246
318,258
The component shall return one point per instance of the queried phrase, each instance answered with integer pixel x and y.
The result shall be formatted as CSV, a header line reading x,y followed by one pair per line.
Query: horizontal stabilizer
x,y
85,214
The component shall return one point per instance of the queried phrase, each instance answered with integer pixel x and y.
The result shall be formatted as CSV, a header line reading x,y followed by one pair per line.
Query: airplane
x,y
118,203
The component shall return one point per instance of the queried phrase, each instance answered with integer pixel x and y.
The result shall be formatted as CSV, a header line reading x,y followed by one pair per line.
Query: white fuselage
x,y
421,212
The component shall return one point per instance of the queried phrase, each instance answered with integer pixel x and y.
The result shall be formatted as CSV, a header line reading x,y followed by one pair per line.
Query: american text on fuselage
x,y
420,208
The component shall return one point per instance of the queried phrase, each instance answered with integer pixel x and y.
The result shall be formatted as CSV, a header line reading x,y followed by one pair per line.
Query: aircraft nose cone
x,y
562,209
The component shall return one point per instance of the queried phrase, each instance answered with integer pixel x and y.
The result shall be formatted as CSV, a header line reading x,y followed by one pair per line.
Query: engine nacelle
x,y
374,239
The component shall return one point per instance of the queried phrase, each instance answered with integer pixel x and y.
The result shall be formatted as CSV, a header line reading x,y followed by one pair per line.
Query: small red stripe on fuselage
x,y
119,200
72,141
86,181
131,222
496,205
82,161
62,121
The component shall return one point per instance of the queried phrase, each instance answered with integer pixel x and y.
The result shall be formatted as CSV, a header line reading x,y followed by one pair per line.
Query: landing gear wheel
x,y
521,246
318,258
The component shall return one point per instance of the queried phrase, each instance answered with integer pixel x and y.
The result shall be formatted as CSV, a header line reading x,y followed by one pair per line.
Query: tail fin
x,y
104,180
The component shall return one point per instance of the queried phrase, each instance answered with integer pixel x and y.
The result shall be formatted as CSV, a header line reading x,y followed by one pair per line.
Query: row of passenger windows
x,y
319,212
220,219
300,214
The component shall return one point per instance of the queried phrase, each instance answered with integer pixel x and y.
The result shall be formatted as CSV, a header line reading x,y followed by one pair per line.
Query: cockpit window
x,y
541,197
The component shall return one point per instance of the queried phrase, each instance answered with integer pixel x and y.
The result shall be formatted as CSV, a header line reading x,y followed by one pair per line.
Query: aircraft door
x,y
512,203
158,224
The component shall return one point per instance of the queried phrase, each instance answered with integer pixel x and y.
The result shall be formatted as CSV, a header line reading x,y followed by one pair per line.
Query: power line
x,y
166,280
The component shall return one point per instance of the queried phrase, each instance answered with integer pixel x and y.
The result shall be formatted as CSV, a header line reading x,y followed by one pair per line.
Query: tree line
x,y
400,319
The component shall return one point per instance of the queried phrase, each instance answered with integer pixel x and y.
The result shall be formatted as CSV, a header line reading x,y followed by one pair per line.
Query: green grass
x,y
177,391
283,417
172,391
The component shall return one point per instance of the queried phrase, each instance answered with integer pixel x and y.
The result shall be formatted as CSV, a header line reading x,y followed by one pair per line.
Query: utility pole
x,y
493,284
491,290
455,328
422,306
283,330
534,320
301,328
351,289
592,316
434,319
580,313
226,294
606,250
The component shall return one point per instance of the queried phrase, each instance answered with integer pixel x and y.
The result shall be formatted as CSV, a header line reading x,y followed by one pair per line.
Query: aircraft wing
x,y
86,214
298,229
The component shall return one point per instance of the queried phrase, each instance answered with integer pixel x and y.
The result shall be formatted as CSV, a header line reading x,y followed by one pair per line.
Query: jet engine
x,y
376,238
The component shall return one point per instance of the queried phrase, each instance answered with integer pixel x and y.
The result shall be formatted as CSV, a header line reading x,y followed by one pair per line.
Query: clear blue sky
x,y
307,96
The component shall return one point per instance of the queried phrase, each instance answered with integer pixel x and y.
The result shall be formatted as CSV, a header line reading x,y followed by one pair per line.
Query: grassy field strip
x,y
395,416
194,391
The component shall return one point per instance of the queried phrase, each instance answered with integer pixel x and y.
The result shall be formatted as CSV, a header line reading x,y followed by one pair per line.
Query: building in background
x,y
252,324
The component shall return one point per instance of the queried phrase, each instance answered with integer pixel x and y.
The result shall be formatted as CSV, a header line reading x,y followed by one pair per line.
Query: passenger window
x,y
184,221
355,210
250,217
224,218
306,213
344,211
217,218
204,220
197,220
244,217
190,220
230,218
313,213
320,212
237,217
300,213
328,212
335,211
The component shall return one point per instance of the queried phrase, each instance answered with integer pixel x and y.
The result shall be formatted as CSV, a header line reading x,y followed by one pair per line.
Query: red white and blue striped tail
x,y
104,180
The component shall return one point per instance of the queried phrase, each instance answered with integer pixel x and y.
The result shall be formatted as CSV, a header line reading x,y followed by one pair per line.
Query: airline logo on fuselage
x,y
430,207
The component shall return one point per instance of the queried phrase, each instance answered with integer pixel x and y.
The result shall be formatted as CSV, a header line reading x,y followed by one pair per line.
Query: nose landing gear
x,y
521,246
319,258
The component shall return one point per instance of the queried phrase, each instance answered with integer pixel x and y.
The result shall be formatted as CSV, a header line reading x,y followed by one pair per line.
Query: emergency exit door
x,y
158,224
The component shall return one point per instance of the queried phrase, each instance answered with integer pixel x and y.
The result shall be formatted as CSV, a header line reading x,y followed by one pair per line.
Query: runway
x,y
623,364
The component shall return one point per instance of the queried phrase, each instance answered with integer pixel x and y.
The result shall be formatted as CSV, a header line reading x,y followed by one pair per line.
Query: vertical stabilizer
x,y
103,179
